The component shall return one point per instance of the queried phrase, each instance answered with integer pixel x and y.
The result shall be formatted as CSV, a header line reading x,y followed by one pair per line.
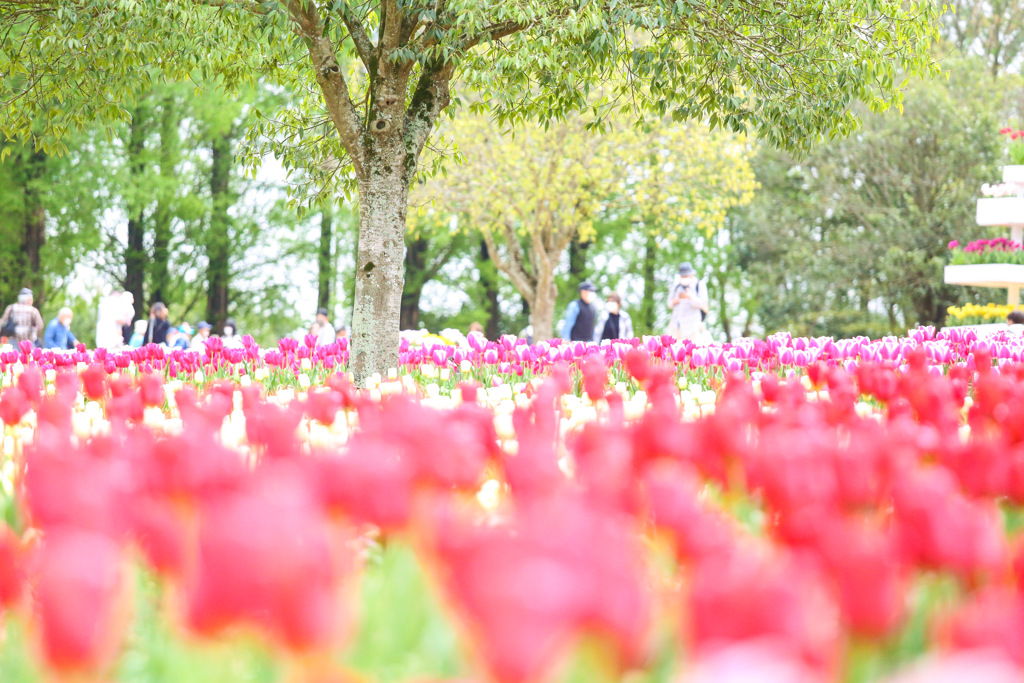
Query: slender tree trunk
x,y
218,235
647,317
34,236
542,317
578,270
383,201
410,316
160,267
135,258
325,259
542,308
416,250
489,281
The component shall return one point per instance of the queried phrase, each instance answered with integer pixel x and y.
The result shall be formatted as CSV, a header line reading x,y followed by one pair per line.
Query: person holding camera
x,y
689,303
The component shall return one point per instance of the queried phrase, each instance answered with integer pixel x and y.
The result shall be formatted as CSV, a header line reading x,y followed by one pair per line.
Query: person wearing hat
x,y
22,321
581,315
689,305
325,333
201,335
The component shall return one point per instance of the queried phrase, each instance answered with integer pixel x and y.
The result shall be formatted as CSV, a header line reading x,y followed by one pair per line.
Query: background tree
x,y
791,74
681,182
50,214
535,195
532,194
853,239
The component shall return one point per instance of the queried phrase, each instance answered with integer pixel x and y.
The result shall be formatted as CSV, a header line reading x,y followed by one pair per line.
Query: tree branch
x,y
442,259
330,78
520,279
364,46
390,28
247,5
429,99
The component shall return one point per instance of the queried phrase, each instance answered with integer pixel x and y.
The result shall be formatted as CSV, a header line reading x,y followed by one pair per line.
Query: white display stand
x,y
997,211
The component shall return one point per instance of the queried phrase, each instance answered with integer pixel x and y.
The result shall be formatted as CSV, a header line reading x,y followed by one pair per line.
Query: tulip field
x,y
780,511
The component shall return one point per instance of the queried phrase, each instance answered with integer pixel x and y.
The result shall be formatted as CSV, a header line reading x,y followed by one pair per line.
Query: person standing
x,y
22,320
156,332
325,333
613,322
202,334
581,315
689,304
231,338
58,333
116,310
126,314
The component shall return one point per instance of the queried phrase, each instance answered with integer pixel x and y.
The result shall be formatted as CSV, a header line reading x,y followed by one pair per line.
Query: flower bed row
x,y
997,250
626,512
301,365
973,314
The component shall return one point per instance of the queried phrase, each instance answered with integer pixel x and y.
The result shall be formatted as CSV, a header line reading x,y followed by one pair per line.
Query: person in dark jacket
x,y
581,315
613,322
156,333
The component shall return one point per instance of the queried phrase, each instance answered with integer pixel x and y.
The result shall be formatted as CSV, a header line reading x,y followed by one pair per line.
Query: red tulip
x,y
30,381
745,595
265,559
323,406
12,569
673,494
94,381
13,406
578,566
151,387
938,528
370,483
76,577
70,488
870,580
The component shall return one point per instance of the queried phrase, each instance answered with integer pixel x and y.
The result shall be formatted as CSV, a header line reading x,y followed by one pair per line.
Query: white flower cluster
x,y
1003,190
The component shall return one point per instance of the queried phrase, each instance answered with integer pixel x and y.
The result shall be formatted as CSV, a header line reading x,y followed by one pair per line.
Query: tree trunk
x,y
647,317
578,271
542,308
160,268
218,235
383,201
542,316
135,258
34,235
325,259
410,315
416,250
489,281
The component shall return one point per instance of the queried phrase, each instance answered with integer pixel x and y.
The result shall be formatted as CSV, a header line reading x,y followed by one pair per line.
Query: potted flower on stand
x,y
1014,171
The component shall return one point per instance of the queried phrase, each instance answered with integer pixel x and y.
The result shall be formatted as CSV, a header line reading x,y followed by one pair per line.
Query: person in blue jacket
x,y
581,315
58,333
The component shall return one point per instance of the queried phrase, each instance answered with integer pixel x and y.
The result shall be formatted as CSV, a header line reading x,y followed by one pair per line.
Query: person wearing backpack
x,y
22,321
689,303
